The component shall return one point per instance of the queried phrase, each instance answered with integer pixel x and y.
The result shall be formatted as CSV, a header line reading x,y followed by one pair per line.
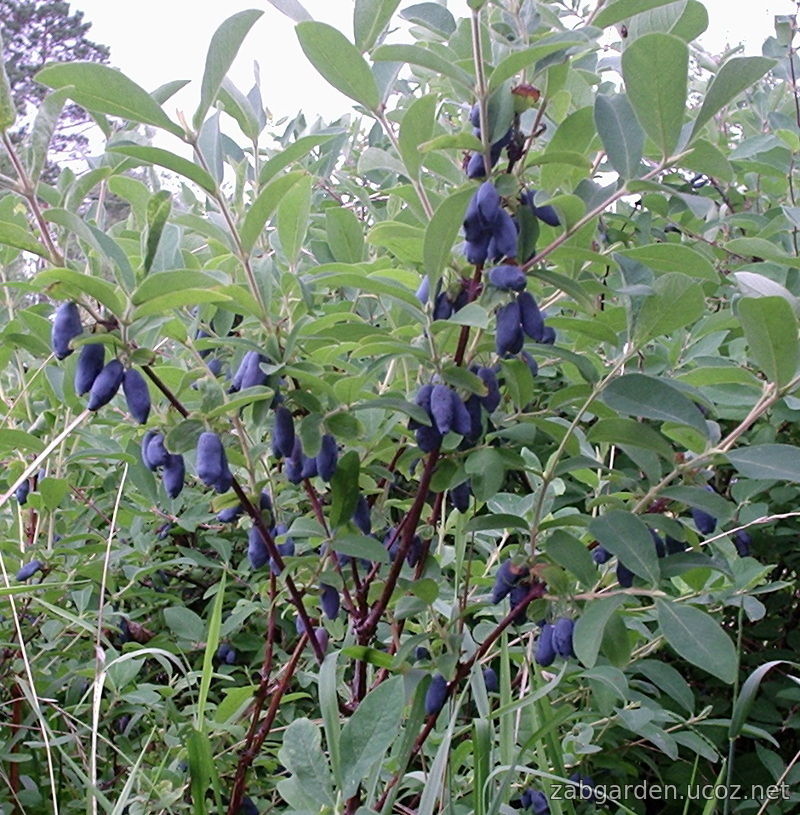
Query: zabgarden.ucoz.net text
x,y
604,793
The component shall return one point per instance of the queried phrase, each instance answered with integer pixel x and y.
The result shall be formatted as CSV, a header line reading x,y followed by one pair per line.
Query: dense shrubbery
x,y
338,480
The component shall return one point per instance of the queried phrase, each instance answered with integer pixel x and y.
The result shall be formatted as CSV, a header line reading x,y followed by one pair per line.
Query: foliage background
x,y
672,284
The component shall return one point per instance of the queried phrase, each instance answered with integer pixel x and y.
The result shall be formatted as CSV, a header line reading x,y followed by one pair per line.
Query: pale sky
x,y
154,41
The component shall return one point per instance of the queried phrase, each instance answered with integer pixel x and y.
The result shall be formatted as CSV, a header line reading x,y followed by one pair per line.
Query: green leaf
x,y
370,731
655,69
667,679
345,235
301,753
265,204
747,695
13,235
164,283
170,161
677,301
185,623
293,9
329,707
440,234
623,9
212,641
698,638
627,432
571,554
222,50
425,58
652,398
44,125
780,462
101,89
11,440
622,137
294,211
452,141
702,498
69,283
158,209
626,536
518,61
359,546
370,19
177,299
589,628
673,257
734,77
495,521
339,62
432,16
770,327
415,128
296,150
237,105
344,489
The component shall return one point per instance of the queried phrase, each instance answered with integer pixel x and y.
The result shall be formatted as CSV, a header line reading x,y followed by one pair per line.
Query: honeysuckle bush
x,y
349,597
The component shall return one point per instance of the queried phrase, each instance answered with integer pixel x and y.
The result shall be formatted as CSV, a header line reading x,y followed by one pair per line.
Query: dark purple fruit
x,y
624,575
293,468
308,468
29,570
21,492
154,453
327,457
504,235
247,807
361,515
548,335
421,654
105,385
428,439
491,681
585,785
743,542
441,409
329,600
229,514
492,399
705,522
253,376
475,115
487,202
442,307
460,495
658,542
66,326
508,575
436,695
90,362
477,251
211,461
137,395
322,638
601,555
508,337
462,421
257,552
530,316
173,475
562,637
545,650
283,432
508,278
533,366
517,594
536,801
424,290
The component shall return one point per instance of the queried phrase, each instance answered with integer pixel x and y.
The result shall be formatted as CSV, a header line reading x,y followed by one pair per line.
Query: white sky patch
x,y
159,40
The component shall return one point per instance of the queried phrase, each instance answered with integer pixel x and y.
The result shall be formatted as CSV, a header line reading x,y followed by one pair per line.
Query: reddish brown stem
x,y
259,732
